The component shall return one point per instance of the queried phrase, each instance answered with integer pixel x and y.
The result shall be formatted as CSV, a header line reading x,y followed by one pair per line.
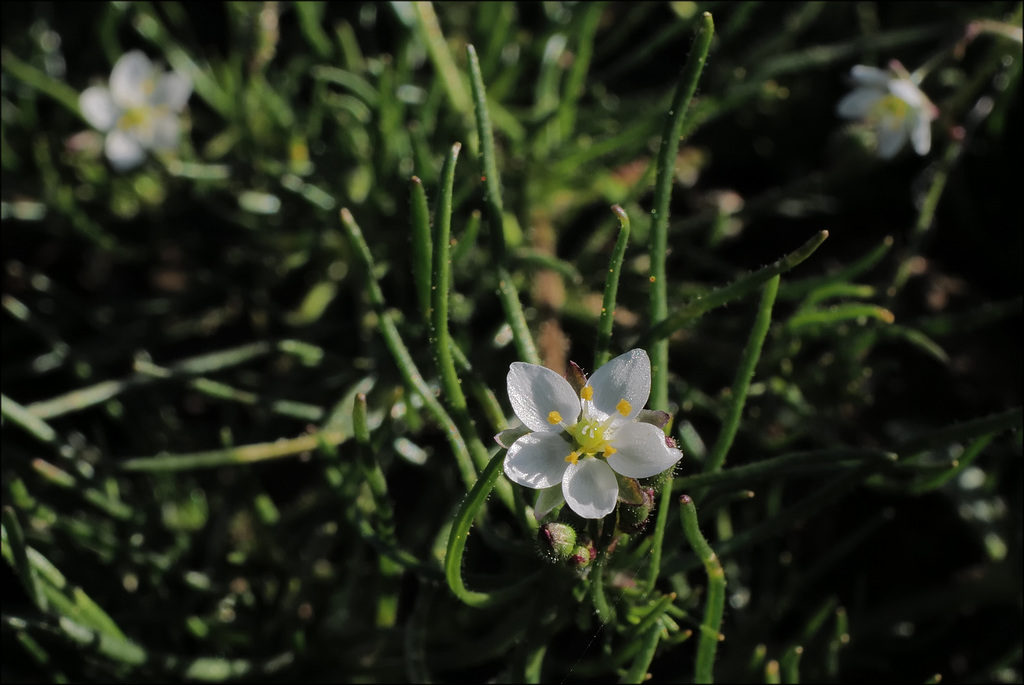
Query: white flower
x,y
579,442
892,105
139,111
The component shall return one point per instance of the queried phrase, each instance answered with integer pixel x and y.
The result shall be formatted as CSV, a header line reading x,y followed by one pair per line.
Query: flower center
x,y
890,111
134,118
590,436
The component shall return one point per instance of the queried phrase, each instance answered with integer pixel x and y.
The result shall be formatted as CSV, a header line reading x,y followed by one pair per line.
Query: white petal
x,y
508,436
908,92
627,377
857,104
173,90
547,500
921,133
890,139
131,80
98,108
590,488
123,150
641,451
535,392
870,76
164,132
537,460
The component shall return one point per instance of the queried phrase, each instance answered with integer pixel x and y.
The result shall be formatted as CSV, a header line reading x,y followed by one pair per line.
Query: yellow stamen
x,y
609,450
573,457
587,393
623,407
554,418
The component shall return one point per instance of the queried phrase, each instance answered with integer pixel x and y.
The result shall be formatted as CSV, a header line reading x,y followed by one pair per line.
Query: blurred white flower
x,y
139,111
890,103
577,443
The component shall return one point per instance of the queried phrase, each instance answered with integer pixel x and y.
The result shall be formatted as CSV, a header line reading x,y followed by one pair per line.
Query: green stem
x,y
406,366
658,537
663,194
744,374
507,292
733,291
474,501
707,643
637,672
611,289
421,247
744,476
440,336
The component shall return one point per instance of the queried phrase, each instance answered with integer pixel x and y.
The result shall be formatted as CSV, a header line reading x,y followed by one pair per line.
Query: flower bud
x,y
633,517
556,541
583,555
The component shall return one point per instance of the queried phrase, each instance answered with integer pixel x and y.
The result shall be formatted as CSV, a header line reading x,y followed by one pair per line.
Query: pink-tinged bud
x,y
633,517
556,541
583,555
577,379
670,442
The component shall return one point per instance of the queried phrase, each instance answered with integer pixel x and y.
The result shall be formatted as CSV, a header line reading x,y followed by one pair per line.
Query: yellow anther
x,y
609,450
623,407
573,457
554,418
587,393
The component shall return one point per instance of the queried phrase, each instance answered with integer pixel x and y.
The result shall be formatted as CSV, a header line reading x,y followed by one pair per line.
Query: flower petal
x,y
921,132
641,451
890,139
535,392
870,76
627,377
131,80
857,104
590,488
173,90
547,500
537,460
98,108
164,132
123,150
905,90
508,436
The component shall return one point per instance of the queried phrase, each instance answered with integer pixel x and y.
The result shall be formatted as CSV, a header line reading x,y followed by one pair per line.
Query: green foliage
x,y
249,386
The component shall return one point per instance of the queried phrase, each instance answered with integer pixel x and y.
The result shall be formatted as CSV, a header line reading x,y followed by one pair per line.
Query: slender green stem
x,y
440,336
836,314
507,292
15,538
744,476
796,289
710,635
474,501
637,672
21,416
37,79
509,296
611,289
663,194
406,366
963,461
437,48
488,161
733,291
744,374
421,246
658,537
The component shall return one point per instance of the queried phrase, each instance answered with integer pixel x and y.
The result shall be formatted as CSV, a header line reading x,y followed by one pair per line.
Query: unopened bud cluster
x,y
559,543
